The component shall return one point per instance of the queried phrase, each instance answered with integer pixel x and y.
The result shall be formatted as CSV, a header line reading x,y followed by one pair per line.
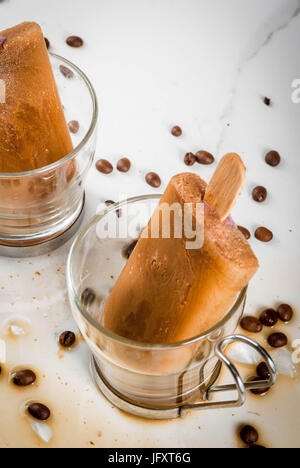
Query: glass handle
x,y
239,385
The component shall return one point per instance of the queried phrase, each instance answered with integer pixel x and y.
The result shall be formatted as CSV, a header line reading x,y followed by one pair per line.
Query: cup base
x,y
43,246
143,411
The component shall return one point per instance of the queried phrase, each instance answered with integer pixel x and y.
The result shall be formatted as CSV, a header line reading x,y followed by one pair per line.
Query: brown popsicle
x,y
33,130
167,293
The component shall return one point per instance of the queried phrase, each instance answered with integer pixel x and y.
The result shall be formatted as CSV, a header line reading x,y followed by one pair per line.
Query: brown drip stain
x,y
3,371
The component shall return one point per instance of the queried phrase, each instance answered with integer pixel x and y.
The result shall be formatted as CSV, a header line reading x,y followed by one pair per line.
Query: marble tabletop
x,y
205,65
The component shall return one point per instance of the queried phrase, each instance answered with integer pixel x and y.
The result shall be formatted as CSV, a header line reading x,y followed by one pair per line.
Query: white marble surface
x,y
202,64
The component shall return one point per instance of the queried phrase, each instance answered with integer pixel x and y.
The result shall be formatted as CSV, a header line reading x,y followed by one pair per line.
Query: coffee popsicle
x,y
167,293
33,129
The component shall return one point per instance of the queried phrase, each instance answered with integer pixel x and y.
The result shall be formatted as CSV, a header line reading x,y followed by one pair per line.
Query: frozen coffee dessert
x,y
167,293
33,133
33,130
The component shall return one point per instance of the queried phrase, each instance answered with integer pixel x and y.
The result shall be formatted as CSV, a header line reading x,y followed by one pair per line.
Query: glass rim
x,y
81,144
108,333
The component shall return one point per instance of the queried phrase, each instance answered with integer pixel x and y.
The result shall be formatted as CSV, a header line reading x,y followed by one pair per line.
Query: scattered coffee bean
x,y
66,71
124,165
277,340
73,126
24,377
249,435
251,324
273,158
267,101
2,40
263,234
74,41
245,232
127,251
104,166
47,42
67,339
203,157
263,371
176,131
285,312
189,159
153,179
269,318
88,296
259,391
111,202
259,194
39,411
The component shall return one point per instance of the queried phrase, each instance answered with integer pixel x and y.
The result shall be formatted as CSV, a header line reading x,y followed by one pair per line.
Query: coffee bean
x,y
127,251
153,179
259,194
285,312
88,296
47,42
2,40
67,339
104,166
39,411
111,202
251,324
249,435
269,317
73,126
189,159
273,158
176,131
66,71
24,378
259,391
263,371
124,165
203,157
245,232
277,340
263,234
74,41
267,101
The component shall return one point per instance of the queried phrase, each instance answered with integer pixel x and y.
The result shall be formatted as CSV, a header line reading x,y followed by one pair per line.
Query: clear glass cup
x,y
154,376
39,205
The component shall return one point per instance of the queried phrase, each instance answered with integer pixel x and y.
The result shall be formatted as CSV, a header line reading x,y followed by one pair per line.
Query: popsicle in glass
x,y
167,293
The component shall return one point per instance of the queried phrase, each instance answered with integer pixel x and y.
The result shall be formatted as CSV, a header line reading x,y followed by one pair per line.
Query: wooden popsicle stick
x,y
226,184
